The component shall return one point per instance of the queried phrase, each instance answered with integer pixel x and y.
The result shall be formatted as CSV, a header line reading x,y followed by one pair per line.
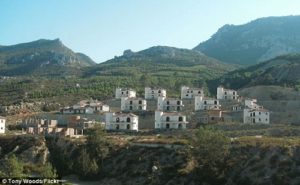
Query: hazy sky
x,y
105,28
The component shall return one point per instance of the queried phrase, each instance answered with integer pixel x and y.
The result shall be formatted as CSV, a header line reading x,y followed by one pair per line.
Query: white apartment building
x,y
133,104
154,93
204,103
226,94
170,120
121,121
130,93
169,104
256,116
190,93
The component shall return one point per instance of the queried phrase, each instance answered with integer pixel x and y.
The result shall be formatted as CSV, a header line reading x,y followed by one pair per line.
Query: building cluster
x,y
86,107
75,127
227,102
168,112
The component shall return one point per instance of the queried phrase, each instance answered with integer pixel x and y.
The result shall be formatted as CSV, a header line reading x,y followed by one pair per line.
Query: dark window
x,y
130,102
168,108
178,108
188,91
233,93
118,120
122,92
159,91
167,118
186,95
191,91
128,126
117,126
167,125
205,102
225,93
216,102
128,119
168,102
140,102
130,108
178,102
180,119
199,92
126,92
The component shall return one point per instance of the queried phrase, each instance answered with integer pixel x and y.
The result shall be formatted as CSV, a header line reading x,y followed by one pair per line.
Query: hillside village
x,y
156,114
153,111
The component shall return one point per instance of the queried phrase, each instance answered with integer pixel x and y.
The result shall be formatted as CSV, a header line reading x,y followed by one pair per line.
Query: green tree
x,y
211,148
145,79
211,145
87,166
48,171
13,167
97,144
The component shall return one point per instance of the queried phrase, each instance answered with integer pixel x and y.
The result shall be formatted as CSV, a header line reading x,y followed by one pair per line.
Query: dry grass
x,y
268,141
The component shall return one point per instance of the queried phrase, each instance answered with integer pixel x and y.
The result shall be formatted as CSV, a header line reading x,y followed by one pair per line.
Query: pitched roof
x,y
260,110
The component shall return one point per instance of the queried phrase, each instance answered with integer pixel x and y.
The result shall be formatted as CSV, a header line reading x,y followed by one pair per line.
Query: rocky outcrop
x,y
256,41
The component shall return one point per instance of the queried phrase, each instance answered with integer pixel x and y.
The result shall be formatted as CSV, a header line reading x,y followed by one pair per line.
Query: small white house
x,y
130,93
82,110
121,121
86,107
133,104
248,104
204,103
226,94
154,93
252,104
2,124
170,120
256,116
190,93
169,104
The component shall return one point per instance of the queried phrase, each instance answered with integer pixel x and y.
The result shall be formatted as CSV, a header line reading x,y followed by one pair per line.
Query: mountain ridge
x,y
256,41
39,57
282,70
162,60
